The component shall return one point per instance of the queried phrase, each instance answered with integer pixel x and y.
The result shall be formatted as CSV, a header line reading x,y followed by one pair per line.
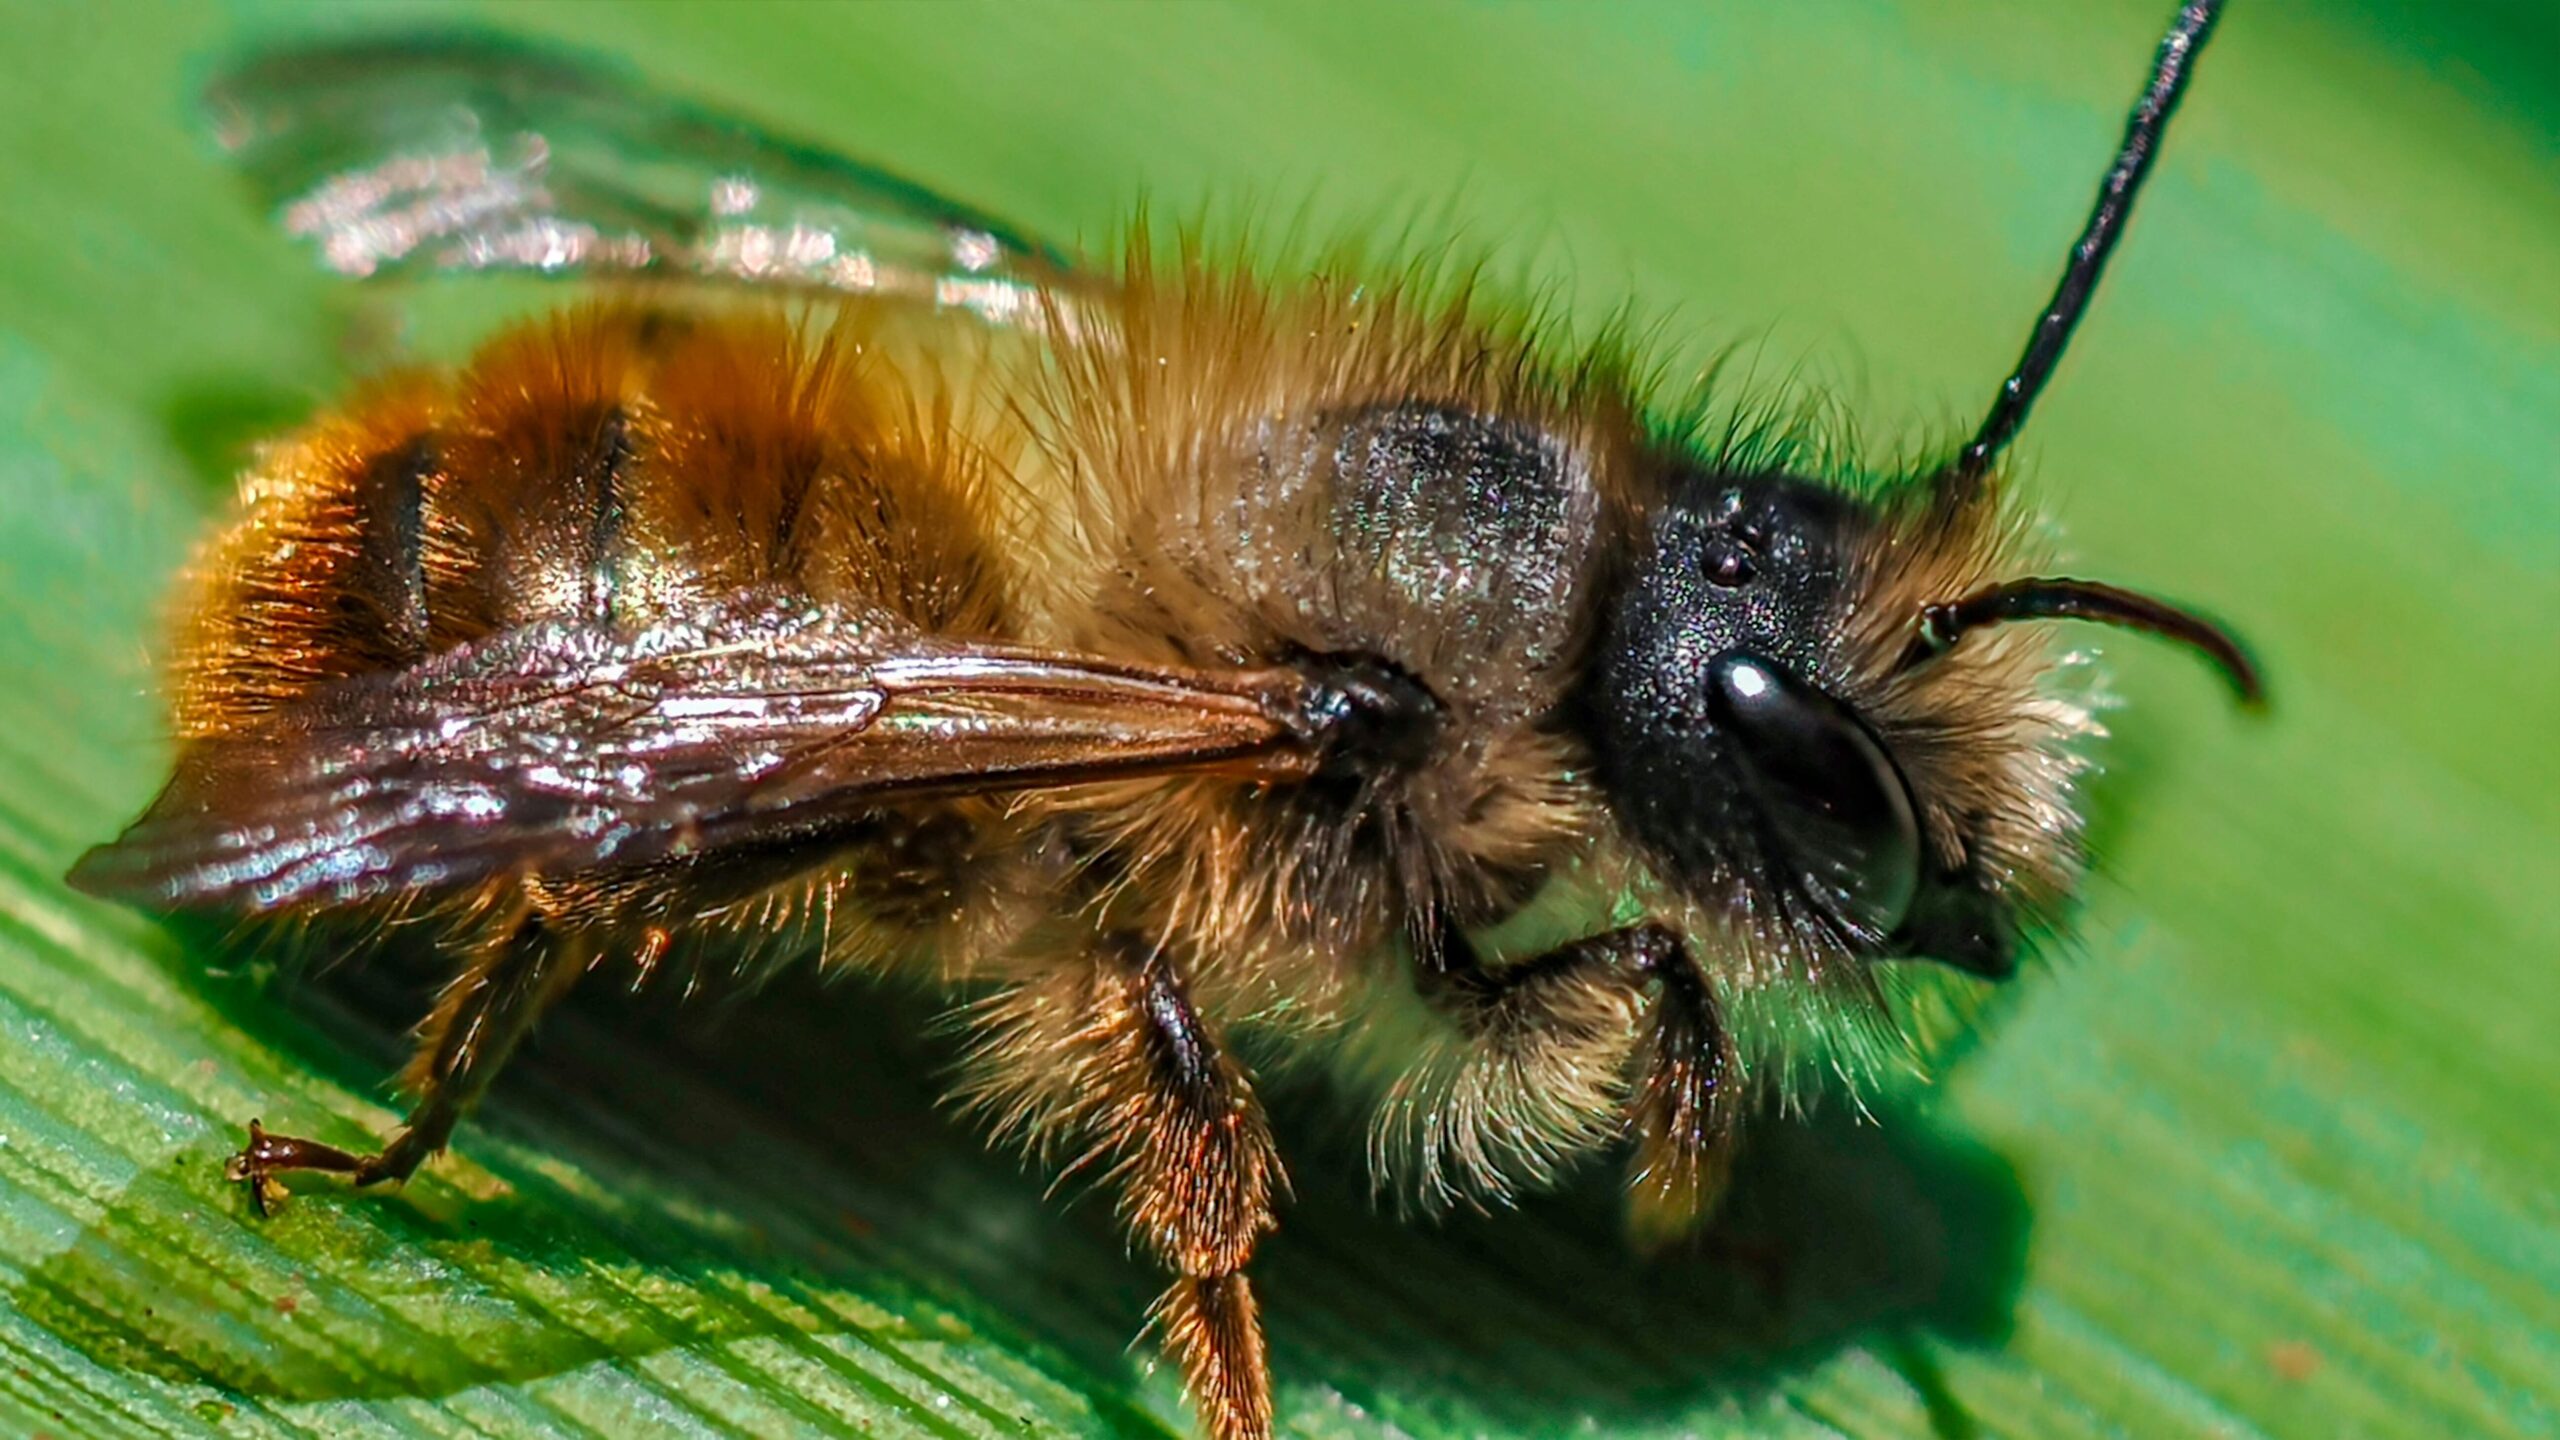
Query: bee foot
x,y
268,1156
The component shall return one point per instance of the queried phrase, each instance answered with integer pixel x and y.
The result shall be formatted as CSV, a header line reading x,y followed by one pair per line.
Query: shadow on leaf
x,y
654,1176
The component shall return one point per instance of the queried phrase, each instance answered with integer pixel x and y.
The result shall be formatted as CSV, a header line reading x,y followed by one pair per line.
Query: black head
x,y
1773,706
1724,746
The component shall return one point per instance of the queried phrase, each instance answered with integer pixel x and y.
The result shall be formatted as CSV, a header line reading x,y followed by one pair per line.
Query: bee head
x,y
1783,710
1780,719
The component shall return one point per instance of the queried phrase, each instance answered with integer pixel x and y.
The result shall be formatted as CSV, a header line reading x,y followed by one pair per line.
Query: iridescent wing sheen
x,y
426,154
565,748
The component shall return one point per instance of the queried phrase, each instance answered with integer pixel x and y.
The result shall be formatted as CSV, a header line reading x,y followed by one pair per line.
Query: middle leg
x,y
1105,1063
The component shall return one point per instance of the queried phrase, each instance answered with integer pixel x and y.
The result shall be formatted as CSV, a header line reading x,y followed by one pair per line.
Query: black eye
x,y
1728,564
1833,797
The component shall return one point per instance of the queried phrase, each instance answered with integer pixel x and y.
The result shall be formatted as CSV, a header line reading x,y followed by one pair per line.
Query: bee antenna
x,y
1942,625
2052,334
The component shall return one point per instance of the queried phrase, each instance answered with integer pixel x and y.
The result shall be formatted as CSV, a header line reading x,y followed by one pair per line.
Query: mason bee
x,y
1164,657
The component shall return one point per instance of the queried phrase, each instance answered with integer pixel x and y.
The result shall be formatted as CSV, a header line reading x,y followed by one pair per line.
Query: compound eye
x,y
1835,800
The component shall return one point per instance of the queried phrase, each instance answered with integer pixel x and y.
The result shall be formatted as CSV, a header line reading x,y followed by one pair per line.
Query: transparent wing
x,y
562,748
427,154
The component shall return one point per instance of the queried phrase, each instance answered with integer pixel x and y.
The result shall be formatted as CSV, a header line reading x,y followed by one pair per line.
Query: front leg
x,y
1629,1007
1104,1062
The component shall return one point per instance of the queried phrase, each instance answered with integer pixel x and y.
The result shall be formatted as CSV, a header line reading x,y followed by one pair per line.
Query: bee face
x,y
1783,726
1718,741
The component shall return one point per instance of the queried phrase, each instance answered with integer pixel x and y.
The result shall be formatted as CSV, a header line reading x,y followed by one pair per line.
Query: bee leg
x,y
477,1022
1686,1075
1112,1057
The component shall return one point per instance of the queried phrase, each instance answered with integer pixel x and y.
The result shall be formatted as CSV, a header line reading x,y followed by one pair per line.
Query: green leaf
x,y
2272,1153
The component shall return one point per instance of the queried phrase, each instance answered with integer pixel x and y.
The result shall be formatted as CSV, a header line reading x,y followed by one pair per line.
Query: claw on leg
x,y
268,1156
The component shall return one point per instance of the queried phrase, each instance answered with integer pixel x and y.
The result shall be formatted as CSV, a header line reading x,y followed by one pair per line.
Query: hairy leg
x,y
1105,1062
508,981
1564,1012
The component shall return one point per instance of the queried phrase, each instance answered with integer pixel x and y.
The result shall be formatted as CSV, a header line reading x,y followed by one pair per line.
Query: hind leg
x,y
508,982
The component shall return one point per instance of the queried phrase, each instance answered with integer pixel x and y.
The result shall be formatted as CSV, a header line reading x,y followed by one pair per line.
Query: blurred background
x,y
2270,1154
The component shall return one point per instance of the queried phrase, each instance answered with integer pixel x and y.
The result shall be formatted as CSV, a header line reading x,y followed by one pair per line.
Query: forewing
x,y
426,154
562,748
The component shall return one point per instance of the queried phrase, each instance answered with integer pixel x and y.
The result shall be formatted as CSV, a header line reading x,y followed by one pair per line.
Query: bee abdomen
x,y
525,518
605,466
389,569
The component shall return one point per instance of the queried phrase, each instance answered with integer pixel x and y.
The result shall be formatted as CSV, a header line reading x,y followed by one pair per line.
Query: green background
x,y
2272,1153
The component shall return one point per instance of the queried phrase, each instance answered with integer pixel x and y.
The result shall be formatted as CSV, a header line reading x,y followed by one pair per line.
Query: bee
x,y
1164,656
